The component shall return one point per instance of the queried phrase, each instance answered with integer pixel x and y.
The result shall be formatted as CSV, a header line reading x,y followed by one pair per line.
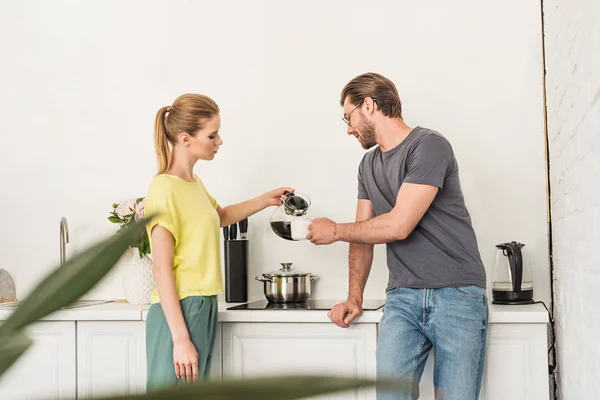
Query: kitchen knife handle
x,y
226,232
243,228
233,232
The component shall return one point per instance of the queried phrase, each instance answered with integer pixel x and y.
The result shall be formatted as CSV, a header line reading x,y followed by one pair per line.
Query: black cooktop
x,y
368,305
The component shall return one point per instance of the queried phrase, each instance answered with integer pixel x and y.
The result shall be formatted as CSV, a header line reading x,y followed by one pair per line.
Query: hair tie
x,y
169,108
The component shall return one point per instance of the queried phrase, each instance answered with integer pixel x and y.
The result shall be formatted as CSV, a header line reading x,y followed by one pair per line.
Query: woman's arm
x,y
185,356
237,212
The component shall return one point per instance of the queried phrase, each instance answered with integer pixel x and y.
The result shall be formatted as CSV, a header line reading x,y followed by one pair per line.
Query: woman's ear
x,y
185,139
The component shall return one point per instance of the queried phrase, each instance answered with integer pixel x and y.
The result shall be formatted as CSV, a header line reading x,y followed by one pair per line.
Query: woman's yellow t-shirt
x,y
189,212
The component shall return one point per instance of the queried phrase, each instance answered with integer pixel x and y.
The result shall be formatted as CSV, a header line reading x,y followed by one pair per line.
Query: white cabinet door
x,y
259,349
111,358
47,369
516,363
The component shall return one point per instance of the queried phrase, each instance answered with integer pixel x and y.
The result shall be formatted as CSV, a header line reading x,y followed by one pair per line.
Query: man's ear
x,y
369,105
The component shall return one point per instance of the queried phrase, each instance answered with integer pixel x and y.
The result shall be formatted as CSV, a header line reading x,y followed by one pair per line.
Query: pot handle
x,y
258,278
313,277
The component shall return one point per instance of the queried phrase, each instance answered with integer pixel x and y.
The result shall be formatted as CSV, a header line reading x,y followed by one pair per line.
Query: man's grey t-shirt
x,y
442,249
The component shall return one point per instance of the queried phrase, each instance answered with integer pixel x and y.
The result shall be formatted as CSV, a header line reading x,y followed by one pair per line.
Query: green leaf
x,y
269,388
147,245
77,276
116,220
12,346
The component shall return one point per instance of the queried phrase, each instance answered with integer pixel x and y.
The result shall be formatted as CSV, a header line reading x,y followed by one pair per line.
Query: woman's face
x,y
205,144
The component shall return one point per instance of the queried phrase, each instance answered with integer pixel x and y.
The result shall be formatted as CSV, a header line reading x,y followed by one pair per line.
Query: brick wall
x,y
572,41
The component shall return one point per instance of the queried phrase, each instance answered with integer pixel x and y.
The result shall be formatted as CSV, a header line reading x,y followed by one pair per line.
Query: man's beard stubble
x,y
366,134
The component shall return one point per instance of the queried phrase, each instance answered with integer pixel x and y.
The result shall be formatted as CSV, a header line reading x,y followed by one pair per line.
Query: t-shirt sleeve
x,y
429,162
213,202
160,206
362,191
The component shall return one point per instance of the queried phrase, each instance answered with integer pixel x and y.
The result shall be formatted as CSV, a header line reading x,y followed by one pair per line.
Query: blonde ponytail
x,y
161,142
188,113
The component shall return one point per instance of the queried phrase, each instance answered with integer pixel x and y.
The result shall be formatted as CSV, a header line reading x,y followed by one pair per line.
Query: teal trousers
x,y
200,314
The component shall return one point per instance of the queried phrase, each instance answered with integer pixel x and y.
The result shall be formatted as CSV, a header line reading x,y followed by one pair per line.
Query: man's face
x,y
359,125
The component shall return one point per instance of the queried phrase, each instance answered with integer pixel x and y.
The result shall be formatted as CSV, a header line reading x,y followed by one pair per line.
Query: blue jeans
x,y
452,321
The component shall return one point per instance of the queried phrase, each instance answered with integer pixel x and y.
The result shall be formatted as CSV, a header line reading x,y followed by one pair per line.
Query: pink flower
x,y
139,210
125,208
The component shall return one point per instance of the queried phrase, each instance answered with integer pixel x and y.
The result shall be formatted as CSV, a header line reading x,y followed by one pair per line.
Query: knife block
x,y
236,271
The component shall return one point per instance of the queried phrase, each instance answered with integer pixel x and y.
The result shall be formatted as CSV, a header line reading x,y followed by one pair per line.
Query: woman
x,y
185,242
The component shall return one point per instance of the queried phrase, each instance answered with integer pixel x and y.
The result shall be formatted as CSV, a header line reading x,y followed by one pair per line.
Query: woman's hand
x,y
237,212
185,359
275,197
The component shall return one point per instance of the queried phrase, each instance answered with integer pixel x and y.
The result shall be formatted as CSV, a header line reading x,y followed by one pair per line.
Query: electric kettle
x,y
511,275
290,220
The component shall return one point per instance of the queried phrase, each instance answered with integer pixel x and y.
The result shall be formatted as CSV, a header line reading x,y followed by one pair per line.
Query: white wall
x,y
81,82
572,37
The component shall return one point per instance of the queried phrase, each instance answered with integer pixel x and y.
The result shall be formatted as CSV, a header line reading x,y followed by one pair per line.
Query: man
x,y
410,198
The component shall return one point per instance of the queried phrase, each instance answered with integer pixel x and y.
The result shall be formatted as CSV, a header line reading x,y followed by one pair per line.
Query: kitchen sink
x,y
64,239
75,304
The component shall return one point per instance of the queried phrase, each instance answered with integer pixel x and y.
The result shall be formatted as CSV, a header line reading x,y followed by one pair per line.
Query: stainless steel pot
x,y
287,285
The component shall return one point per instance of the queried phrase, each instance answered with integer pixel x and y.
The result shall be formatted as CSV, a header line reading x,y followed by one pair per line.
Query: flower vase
x,y
138,281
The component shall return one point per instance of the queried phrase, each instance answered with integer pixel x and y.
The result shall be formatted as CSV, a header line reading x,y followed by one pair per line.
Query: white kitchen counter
x,y
95,349
100,312
526,314
534,314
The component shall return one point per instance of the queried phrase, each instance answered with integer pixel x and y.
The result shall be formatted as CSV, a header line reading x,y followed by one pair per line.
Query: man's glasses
x,y
347,119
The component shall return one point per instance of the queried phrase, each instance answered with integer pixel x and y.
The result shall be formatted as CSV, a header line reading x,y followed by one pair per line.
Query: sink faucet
x,y
64,239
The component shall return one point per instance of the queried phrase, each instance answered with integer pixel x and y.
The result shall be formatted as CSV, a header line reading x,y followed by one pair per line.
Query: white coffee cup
x,y
299,228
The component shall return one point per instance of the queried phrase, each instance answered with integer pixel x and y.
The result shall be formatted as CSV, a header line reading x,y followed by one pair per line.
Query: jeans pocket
x,y
391,290
470,292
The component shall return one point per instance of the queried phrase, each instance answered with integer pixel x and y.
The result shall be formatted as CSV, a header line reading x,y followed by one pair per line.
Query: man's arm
x,y
359,260
428,165
360,256
412,202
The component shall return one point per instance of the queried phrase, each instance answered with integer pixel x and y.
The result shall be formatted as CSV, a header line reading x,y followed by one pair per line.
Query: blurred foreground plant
x,y
78,275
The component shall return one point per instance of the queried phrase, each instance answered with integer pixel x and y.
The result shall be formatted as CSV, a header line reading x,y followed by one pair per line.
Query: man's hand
x,y
322,231
343,314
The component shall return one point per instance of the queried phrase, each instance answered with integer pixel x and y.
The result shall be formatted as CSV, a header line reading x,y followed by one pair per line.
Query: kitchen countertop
x,y
525,314
101,312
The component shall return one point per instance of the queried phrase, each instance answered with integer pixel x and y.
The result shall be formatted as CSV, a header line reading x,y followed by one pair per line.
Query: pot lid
x,y
286,270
